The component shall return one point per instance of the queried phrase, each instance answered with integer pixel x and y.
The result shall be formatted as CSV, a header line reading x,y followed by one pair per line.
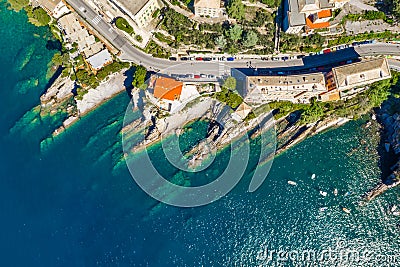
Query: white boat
x,y
323,208
393,208
291,182
396,213
346,210
322,193
313,176
335,192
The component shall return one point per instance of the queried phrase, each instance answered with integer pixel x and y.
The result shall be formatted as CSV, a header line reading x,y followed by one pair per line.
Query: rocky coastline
x,y
390,136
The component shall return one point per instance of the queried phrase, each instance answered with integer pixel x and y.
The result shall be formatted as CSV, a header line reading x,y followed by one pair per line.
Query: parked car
x,y
300,56
203,76
230,59
199,58
349,61
173,58
285,58
196,76
326,51
207,59
211,76
190,76
184,58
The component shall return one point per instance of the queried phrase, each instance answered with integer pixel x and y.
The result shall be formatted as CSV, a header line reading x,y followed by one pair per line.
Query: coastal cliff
x,y
390,122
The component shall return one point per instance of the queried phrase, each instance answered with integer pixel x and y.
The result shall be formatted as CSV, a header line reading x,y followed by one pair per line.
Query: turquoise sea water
x,y
72,202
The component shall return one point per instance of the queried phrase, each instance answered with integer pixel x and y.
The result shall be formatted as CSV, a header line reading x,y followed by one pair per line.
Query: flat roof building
x,y
140,11
295,88
74,32
100,59
210,8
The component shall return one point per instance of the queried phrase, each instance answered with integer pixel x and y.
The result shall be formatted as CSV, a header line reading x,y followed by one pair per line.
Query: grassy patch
x,y
123,25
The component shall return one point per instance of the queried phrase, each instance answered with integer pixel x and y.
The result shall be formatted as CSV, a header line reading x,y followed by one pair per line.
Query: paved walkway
x,y
362,6
259,5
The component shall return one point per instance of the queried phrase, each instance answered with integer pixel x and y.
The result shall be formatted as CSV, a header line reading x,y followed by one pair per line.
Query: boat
x,y
323,208
347,194
346,210
396,213
393,208
335,192
292,183
313,176
322,193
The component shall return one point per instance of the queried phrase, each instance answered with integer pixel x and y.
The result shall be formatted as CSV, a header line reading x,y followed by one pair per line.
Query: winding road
x,y
132,54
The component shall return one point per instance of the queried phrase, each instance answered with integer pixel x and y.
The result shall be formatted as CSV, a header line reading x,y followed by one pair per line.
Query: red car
x,y
199,58
326,51
197,76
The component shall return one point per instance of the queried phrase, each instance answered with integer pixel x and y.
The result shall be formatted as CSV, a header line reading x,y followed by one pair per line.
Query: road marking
x,y
96,20
221,69
110,29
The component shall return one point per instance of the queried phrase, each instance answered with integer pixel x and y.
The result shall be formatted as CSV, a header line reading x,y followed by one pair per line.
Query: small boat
x,y
291,182
387,147
323,208
335,192
322,193
396,213
346,210
347,194
313,176
393,208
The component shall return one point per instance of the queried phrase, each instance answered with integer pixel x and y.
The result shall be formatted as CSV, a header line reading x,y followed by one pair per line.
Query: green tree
x,y
18,5
235,9
139,77
38,17
251,39
230,83
312,113
220,41
235,33
60,59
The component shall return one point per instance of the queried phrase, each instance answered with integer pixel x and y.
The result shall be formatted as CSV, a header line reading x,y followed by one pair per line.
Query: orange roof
x,y
327,13
167,88
312,25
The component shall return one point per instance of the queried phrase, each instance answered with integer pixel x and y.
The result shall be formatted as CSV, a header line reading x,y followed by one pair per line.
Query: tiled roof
x,y
167,88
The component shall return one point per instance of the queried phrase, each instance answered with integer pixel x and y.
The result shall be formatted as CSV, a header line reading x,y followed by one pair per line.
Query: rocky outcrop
x,y
60,90
391,135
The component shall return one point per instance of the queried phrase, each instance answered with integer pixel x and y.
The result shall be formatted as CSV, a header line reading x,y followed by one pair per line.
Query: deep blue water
x,y
72,202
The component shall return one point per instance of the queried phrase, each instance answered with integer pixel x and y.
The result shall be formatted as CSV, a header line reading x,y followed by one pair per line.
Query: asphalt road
x,y
130,53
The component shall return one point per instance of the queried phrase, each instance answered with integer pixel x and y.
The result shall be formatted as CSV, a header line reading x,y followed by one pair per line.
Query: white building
x,y
74,32
207,8
100,59
308,14
140,11
294,88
